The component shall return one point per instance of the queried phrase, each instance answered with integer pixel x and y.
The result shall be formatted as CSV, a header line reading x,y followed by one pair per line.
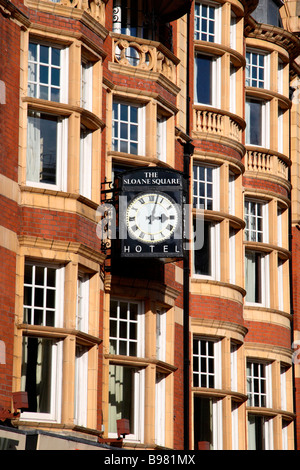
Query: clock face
x,y
152,217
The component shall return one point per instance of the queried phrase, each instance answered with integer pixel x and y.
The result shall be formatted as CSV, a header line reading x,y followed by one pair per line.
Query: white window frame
x,y
61,155
161,331
267,427
285,444
140,324
233,21
264,376
216,422
283,382
138,406
235,425
85,174
161,138
82,306
81,386
253,233
232,257
280,129
59,293
265,123
160,409
232,103
216,374
64,71
140,124
214,229
56,387
279,225
205,34
233,366
280,76
86,77
215,80
280,284
250,67
215,186
264,277
231,193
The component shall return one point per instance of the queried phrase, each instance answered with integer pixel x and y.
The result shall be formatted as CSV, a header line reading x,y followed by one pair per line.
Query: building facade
x,y
198,352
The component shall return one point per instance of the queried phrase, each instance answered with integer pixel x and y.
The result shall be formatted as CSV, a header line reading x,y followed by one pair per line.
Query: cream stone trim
x,y
218,328
267,195
220,49
143,290
69,12
9,189
145,75
62,251
268,352
178,315
8,239
235,165
267,248
58,201
270,316
217,289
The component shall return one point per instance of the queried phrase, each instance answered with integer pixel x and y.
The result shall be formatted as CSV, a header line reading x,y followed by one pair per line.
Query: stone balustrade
x,y
267,163
150,56
217,122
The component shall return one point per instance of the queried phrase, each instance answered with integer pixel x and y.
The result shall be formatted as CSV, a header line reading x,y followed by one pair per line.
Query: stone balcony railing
x,y
217,123
144,55
266,162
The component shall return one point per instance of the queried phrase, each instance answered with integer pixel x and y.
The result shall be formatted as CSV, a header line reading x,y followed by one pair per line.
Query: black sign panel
x,y
151,213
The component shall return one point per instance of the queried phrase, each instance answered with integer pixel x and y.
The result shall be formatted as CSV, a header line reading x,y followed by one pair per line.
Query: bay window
x,y
87,85
85,174
256,219
126,328
41,378
81,386
257,120
257,69
257,278
126,400
260,432
128,128
207,22
205,187
47,72
208,423
207,259
46,150
43,295
206,363
207,80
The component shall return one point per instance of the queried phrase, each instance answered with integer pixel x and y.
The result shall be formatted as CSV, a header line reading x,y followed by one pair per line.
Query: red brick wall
x,y
7,316
265,185
58,226
216,308
9,110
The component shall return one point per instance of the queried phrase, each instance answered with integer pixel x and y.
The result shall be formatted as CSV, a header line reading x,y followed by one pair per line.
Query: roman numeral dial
x,y
152,217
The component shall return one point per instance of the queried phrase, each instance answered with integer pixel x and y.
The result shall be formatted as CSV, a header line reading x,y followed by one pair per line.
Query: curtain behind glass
x,y
36,373
121,392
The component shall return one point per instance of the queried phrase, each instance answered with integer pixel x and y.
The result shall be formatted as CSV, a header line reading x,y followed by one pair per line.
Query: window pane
x,y
203,85
36,373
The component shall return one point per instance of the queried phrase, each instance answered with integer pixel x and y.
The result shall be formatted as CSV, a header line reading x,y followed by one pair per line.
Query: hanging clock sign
x,y
150,213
